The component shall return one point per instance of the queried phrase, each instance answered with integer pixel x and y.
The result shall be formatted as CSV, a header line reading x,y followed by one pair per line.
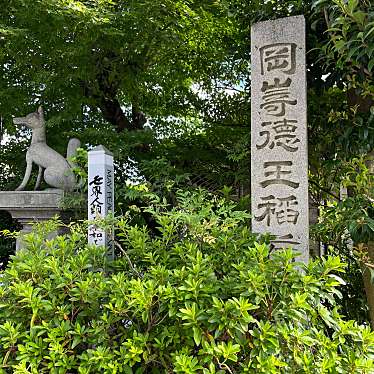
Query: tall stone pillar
x,y
279,156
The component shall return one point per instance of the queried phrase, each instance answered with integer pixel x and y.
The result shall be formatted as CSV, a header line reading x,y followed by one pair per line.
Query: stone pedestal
x,y
29,207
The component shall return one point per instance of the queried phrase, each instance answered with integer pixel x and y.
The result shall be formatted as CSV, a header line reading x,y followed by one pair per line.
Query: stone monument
x,y
100,195
29,207
279,158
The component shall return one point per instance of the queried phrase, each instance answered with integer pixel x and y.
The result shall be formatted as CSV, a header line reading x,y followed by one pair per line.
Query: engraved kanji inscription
x,y
96,203
280,133
282,209
277,85
276,173
278,56
285,241
276,97
97,236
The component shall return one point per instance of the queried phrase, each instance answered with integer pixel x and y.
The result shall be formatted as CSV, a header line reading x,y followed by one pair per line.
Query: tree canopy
x,y
183,68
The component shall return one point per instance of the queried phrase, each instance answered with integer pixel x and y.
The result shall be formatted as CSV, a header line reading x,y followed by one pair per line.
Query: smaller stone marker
x,y
279,158
100,195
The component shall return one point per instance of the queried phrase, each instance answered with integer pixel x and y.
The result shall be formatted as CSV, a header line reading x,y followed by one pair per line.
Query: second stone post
x,y
100,195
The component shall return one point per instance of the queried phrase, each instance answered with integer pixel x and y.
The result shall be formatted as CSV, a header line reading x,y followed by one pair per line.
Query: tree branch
x,y
128,259
105,92
325,190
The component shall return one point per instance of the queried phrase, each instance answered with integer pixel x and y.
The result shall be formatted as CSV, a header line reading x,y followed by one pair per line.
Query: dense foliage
x,y
166,86
199,294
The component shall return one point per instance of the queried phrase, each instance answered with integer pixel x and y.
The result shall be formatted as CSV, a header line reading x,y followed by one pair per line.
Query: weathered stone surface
x,y
21,200
279,167
56,169
29,207
100,194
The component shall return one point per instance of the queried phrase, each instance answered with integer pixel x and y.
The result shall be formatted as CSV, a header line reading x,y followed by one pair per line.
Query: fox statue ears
x,y
40,112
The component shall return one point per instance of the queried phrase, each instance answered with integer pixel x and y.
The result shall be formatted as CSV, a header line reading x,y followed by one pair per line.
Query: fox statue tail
x,y
73,145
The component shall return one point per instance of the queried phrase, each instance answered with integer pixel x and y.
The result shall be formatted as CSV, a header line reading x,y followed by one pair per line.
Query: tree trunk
x,y
113,113
105,92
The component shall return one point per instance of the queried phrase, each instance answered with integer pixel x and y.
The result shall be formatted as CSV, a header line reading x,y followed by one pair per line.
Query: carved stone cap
x,y
274,22
101,149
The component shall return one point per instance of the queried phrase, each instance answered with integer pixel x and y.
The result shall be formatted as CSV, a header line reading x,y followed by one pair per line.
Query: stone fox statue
x,y
57,170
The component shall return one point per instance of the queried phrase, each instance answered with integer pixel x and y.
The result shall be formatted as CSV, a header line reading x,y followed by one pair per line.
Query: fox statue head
x,y
33,120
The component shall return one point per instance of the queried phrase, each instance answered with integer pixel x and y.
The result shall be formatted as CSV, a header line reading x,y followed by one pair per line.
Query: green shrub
x,y
199,295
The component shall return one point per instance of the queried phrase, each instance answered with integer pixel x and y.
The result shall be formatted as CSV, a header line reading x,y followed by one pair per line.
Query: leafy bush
x,y
199,295
346,228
